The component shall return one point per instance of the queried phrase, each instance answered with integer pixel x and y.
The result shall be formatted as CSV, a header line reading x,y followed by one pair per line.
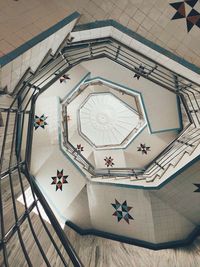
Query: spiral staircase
x,y
30,157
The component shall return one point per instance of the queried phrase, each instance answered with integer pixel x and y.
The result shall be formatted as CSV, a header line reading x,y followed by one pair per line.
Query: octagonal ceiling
x,y
105,120
124,153
104,128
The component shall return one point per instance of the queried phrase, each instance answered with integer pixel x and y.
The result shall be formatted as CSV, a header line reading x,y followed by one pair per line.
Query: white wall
x,y
159,216
100,199
13,71
59,200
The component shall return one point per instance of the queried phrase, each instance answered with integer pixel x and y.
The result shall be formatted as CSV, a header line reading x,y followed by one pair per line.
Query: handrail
x,y
81,159
105,46
63,238
98,48
39,81
84,44
24,95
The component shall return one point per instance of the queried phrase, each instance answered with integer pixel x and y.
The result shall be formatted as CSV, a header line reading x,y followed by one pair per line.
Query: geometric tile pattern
x,y
109,162
144,149
188,10
59,180
70,39
122,211
40,121
198,189
140,70
79,148
64,78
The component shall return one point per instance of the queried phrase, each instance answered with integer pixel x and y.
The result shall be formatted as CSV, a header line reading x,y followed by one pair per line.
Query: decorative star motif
x,y
40,121
79,148
109,162
140,70
198,189
185,9
64,78
70,39
59,180
122,211
144,149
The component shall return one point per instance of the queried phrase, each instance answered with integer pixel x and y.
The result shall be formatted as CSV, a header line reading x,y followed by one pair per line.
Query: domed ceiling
x,y
107,121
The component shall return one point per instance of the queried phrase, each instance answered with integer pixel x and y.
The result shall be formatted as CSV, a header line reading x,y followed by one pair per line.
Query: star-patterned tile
x,y
144,149
109,162
79,148
64,78
188,10
122,211
198,188
59,180
40,122
140,69
70,39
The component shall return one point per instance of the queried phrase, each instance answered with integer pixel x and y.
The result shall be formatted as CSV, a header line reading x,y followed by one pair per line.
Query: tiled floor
x,y
21,20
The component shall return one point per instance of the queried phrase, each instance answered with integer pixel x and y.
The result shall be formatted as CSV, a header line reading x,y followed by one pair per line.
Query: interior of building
x,y
100,133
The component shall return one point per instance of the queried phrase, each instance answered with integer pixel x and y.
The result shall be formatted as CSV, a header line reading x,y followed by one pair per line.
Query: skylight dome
x,y
106,121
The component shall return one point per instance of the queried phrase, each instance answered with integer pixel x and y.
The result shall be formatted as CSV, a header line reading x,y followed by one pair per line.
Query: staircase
x,y
186,144
25,232
26,238
184,147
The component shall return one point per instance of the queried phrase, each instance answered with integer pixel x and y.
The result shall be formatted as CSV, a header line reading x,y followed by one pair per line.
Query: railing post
x,y
30,131
118,51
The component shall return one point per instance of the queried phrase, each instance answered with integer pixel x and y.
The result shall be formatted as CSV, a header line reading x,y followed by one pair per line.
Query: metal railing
x,y
185,89
17,222
121,172
15,162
